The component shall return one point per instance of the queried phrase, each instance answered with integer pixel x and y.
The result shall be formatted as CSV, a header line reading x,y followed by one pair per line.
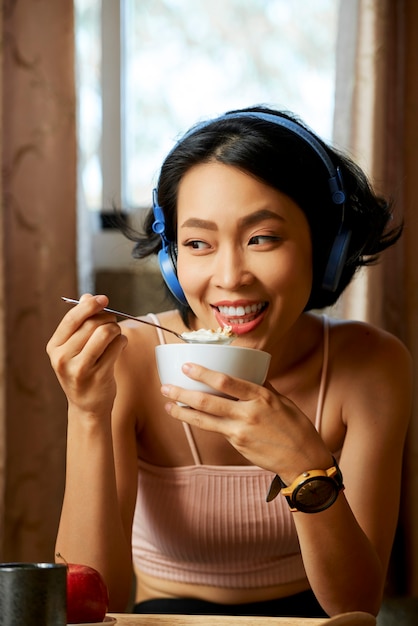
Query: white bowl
x,y
245,363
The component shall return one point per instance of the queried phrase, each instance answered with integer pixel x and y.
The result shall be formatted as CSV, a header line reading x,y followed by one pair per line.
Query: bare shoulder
x,y
373,370
367,345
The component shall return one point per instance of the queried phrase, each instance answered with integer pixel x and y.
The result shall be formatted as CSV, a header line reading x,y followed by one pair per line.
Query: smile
x,y
241,314
240,311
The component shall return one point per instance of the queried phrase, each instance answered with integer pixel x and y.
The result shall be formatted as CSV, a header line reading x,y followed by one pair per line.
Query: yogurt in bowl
x,y
222,336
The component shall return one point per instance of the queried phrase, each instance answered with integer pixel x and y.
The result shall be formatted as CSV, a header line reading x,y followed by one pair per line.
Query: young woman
x,y
257,223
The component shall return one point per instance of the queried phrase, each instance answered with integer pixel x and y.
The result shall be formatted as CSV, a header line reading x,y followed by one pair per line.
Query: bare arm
x,y
346,548
95,520
358,533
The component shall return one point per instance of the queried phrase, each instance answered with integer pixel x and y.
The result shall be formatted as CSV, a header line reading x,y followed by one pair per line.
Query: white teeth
x,y
239,311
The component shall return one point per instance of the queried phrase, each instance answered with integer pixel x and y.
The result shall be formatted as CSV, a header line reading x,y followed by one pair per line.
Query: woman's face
x,y
244,253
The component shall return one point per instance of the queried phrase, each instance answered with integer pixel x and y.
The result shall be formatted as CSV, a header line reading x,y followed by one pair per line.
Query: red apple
x,y
87,594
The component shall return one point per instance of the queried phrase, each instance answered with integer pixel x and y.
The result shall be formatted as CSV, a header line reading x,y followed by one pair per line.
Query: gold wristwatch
x,y
312,491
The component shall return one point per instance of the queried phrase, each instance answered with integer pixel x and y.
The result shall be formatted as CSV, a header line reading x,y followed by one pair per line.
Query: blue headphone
x,y
167,256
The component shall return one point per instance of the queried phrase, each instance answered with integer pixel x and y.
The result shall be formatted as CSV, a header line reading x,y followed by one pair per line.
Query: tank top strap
x,y
192,444
324,373
155,320
187,428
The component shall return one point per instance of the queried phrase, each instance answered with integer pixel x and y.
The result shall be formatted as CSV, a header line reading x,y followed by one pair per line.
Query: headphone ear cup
x,y
167,259
336,260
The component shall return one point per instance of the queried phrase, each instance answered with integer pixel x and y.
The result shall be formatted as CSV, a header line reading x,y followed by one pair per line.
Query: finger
x,y
223,383
89,306
226,416
87,343
94,363
213,422
198,400
104,343
78,340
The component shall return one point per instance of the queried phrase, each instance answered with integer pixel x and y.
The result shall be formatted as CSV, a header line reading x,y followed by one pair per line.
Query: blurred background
x,y
94,94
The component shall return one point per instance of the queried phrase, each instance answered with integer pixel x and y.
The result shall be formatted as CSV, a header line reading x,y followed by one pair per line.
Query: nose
x,y
231,270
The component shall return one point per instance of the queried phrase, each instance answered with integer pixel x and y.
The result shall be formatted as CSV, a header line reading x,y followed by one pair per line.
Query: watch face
x,y
315,494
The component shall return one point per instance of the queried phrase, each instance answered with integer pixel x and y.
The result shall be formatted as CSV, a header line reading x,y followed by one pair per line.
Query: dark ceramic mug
x,y
33,593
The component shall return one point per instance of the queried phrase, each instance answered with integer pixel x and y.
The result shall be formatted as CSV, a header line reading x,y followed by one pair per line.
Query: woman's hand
x,y
83,351
265,427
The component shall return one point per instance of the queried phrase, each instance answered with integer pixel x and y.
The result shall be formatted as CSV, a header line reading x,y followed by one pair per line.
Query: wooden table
x,y
212,620
348,619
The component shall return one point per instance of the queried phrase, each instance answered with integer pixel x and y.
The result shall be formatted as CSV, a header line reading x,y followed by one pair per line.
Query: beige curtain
x,y
376,118
37,265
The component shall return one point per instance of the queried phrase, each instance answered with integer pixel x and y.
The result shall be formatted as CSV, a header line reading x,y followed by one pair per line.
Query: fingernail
x,y
102,300
165,390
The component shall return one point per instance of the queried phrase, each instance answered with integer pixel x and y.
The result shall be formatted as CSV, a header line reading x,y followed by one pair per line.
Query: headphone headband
x,y
167,255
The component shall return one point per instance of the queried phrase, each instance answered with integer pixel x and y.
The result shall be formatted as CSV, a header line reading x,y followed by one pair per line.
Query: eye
x,y
196,244
259,240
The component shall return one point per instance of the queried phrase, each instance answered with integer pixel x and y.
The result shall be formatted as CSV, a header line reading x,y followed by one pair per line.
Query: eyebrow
x,y
248,220
197,222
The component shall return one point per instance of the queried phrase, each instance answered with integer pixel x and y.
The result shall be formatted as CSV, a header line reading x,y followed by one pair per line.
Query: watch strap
x,y
275,488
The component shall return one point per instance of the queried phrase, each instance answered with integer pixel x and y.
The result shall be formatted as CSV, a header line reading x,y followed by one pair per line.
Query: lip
x,y
239,328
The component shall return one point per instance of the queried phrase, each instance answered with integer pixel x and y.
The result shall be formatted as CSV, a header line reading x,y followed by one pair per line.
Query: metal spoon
x,y
224,341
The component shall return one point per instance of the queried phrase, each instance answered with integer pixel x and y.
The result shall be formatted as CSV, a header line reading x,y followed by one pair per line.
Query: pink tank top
x,y
211,525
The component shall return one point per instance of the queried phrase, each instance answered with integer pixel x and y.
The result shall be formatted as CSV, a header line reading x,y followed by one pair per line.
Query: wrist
x,y
312,491
88,422
320,461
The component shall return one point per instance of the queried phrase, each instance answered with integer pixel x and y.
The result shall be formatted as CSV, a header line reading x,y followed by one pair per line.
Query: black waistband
x,y
299,605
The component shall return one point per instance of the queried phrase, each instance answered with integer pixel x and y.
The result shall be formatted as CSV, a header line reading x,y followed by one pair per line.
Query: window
x,y
148,70
89,99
